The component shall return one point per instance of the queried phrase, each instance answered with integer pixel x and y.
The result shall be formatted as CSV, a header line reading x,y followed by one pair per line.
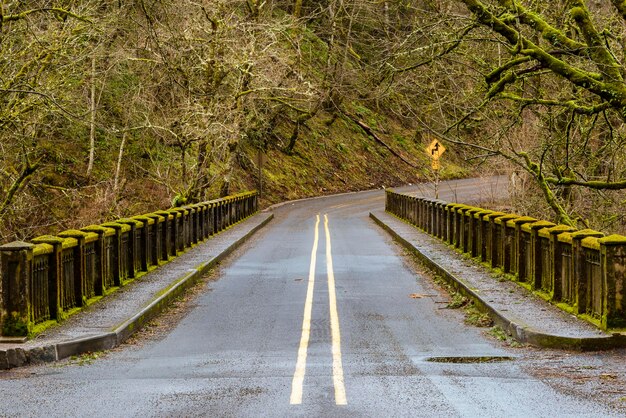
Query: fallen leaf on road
x,y
608,376
416,296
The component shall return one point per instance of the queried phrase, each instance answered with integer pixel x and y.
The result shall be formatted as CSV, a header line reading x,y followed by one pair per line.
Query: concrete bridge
x,y
319,313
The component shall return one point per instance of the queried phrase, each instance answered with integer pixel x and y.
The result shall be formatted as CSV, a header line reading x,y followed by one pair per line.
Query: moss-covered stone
x,y
15,325
613,240
591,243
42,249
117,226
583,233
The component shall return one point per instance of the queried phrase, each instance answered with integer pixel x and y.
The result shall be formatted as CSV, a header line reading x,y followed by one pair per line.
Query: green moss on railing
x,y
197,227
611,251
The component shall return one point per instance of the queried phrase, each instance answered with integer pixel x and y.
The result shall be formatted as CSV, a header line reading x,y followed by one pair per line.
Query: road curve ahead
x,y
319,316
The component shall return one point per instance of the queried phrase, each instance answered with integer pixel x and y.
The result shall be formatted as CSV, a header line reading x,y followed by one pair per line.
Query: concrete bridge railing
x,y
51,277
581,271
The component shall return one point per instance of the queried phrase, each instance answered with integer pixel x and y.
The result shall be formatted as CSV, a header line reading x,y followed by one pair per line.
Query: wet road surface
x,y
314,318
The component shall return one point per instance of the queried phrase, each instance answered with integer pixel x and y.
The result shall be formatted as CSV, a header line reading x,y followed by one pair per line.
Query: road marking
x,y
298,376
338,381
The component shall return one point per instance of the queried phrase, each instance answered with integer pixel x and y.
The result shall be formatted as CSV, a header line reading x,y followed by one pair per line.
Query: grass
x,y
86,359
458,301
499,334
473,316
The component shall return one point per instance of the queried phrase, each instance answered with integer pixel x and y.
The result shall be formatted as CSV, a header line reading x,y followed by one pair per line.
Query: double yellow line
x,y
298,377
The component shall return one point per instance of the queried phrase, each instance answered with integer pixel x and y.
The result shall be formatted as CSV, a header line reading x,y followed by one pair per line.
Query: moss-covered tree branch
x,y
607,86
569,104
590,184
56,10
548,32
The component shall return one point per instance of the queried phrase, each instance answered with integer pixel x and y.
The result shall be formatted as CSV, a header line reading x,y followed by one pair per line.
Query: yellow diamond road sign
x,y
435,149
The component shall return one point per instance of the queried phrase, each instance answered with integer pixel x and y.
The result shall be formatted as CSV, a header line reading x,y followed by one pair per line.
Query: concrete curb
x,y
18,357
520,332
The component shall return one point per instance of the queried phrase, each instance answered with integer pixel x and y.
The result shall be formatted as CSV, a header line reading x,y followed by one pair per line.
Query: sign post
x,y
435,150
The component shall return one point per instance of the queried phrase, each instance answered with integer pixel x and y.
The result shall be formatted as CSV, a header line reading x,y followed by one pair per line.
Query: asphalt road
x,y
314,318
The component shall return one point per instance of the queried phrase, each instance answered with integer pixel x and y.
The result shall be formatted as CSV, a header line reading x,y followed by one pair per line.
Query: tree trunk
x,y
118,169
92,119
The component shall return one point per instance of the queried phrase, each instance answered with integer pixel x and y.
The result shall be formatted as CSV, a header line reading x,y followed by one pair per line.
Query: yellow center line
x,y
298,376
338,381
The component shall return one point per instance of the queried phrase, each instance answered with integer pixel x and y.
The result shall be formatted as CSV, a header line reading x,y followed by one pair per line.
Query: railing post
x,y
230,216
465,224
17,269
504,252
120,265
135,265
224,214
200,225
203,223
102,267
55,276
215,218
438,218
195,223
235,210
185,220
147,236
536,264
249,205
80,283
516,246
432,217
449,220
481,234
578,260
492,237
191,225
166,234
472,231
556,258
456,225
211,216
153,225
176,231
428,215
613,259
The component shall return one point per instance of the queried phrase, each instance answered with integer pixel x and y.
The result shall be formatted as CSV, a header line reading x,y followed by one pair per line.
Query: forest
x,y
115,108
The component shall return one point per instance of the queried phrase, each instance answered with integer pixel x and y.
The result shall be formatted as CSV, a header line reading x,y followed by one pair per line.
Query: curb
x,y
17,357
520,332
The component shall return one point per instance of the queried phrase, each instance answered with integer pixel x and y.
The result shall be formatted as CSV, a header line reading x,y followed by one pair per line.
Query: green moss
x,y
92,300
591,243
613,240
39,328
166,289
16,326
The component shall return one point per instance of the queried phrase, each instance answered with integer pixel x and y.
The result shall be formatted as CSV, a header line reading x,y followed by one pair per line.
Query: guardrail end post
x,y
16,261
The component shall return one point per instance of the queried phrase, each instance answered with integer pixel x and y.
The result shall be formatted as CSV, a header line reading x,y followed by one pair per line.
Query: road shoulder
x,y
524,316
111,321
